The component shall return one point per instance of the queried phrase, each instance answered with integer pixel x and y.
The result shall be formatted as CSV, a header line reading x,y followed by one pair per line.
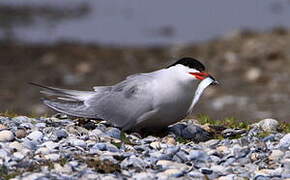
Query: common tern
x,y
142,101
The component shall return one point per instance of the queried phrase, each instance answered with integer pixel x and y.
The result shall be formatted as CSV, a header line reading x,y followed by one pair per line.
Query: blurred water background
x,y
132,22
81,43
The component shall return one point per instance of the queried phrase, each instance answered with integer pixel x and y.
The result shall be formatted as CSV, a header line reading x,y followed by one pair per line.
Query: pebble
x,y
169,140
35,136
104,147
52,157
21,133
155,145
171,173
196,133
253,74
60,134
233,132
135,162
6,135
276,155
198,155
269,125
114,133
166,164
78,142
2,126
18,156
15,146
143,176
284,142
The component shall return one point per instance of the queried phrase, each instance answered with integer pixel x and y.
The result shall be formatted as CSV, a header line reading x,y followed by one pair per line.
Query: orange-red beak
x,y
200,75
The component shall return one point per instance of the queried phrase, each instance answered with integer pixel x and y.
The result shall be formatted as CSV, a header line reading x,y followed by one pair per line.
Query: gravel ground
x,y
59,147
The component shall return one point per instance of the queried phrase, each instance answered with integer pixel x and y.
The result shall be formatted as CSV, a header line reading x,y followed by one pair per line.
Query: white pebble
x,y
35,136
269,125
6,135
52,157
285,142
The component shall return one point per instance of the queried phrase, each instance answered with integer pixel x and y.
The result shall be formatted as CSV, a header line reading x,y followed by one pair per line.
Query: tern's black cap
x,y
190,62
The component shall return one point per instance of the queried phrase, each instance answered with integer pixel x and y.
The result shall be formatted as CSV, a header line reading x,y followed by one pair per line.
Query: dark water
x,y
150,22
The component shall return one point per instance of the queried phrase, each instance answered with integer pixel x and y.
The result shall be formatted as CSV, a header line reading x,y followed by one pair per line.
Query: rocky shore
x,y
59,147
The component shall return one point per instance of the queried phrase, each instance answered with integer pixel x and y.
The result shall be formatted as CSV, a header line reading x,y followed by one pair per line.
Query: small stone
x,y
134,161
253,74
78,142
196,175
285,142
21,133
155,145
35,136
255,156
18,156
166,164
286,164
96,133
15,146
150,139
233,132
198,155
276,155
206,171
20,119
52,157
43,150
223,149
104,147
269,172
40,125
271,137
196,133
219,169
269,125
229,177
2,127
3,154
60,134
114,133
171,173
177,129
169,140
50,145
143,176
6,135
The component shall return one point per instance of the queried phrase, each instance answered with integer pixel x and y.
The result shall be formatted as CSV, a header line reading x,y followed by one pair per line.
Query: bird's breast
x,y
174,100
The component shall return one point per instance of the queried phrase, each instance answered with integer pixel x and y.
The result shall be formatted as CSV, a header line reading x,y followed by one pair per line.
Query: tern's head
x,y
190,69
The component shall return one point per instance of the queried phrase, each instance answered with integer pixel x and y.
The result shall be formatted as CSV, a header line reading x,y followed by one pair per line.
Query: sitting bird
x,y
142,101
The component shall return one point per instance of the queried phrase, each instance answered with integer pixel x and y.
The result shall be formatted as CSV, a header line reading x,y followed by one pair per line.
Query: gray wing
x,y
123,103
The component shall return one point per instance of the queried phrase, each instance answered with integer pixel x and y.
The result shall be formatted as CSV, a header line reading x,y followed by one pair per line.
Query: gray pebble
x,y
78,142
285,142
198,155
134,161
40,125
195,133
104,147
114,132
60,134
